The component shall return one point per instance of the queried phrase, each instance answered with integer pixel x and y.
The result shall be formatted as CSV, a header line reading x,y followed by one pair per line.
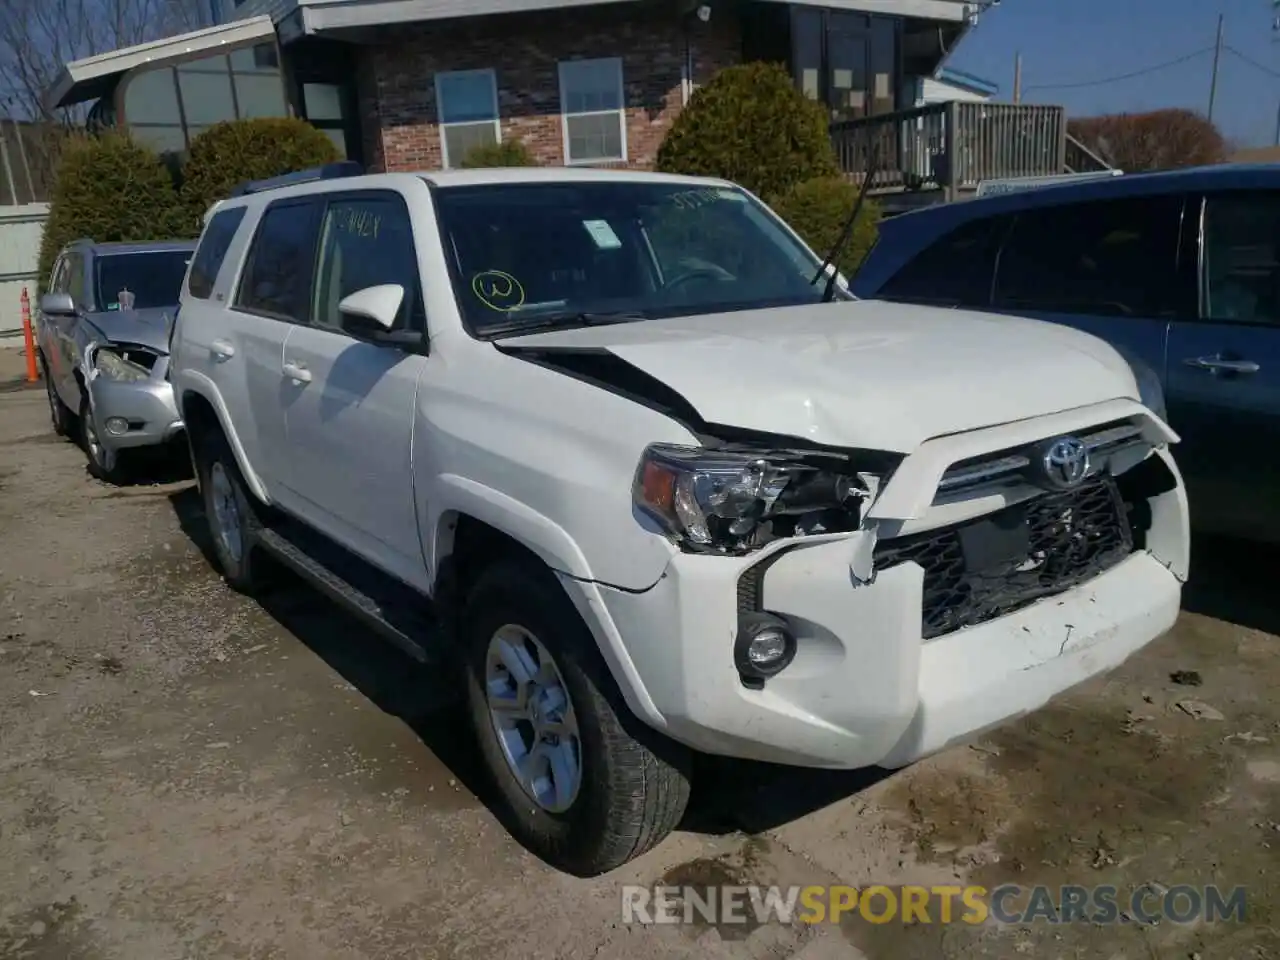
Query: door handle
x,y
1216,364
296,372
222,349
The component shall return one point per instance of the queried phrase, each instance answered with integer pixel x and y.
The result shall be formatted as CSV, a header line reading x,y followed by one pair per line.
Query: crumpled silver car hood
x,y
147,328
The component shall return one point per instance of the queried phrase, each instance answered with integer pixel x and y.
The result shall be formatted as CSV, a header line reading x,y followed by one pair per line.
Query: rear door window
x,y
1104,258
955,270
214,243
276,281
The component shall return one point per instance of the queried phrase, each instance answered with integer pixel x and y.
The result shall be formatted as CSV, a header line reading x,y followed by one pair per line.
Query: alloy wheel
x,y
226,512
533,718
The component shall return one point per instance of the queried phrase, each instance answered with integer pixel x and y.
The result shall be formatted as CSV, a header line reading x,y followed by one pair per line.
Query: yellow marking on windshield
x,y
498,290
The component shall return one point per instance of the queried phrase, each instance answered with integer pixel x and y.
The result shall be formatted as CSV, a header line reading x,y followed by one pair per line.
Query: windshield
x,y
526,253
153,278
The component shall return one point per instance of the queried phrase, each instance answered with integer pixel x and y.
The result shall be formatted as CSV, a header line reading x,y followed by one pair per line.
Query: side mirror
x,y
375,307
57,305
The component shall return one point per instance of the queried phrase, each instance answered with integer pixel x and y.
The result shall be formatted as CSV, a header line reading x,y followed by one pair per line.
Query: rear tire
x,y
109,466
232,514
626,797
59,413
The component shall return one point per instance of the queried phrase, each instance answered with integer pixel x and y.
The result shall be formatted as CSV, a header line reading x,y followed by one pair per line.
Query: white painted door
x,y
349,400
246,350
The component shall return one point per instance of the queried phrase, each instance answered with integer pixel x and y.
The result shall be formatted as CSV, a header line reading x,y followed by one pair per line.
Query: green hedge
x,y
817,210
751,125
508,153
227,154
109,188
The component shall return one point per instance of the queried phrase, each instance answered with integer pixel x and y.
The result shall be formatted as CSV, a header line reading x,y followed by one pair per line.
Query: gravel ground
x,y
187,773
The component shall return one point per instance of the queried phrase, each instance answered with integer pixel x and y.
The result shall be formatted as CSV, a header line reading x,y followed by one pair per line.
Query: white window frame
x,y
620,111
492,76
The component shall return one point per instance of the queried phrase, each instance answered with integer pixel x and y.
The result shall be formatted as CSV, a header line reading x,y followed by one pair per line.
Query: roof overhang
x,y
310,17
966,81
94,77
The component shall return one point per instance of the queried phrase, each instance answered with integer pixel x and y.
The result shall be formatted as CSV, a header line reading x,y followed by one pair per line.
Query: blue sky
x,y
1076,41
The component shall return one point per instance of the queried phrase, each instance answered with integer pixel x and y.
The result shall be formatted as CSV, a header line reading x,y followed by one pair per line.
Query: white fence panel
x,y
20,230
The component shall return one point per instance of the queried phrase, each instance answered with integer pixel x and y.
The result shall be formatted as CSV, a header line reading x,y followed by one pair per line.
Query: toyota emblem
x,y
1065,463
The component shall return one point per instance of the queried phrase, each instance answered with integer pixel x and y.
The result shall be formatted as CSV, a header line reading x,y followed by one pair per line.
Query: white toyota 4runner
x,y
600,435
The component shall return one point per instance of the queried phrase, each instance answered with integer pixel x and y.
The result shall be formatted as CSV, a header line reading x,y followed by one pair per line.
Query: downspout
x,y
686,67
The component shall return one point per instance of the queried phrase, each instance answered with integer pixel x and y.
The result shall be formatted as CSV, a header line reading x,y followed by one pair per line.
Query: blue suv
x,y
1178,270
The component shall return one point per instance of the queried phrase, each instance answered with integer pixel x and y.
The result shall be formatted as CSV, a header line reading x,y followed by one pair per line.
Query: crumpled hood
x,y
148,328
868,374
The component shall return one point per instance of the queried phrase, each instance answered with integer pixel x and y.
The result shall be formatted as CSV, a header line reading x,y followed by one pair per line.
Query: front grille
x,y
985,568
1104,442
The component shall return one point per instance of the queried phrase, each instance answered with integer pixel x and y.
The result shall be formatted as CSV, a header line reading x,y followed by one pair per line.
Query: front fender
x,y
542,535
202,386
557,549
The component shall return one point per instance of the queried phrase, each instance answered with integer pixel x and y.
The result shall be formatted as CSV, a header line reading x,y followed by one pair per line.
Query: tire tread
x,y
642,794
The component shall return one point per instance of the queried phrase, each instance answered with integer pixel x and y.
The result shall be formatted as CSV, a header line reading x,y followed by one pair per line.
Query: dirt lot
x,y
186,773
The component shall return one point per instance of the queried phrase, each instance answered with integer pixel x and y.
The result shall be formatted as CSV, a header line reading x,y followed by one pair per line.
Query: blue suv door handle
x,y
1217,365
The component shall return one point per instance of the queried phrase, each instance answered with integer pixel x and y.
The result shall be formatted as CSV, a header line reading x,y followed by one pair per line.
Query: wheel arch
x,y
477,525
470,513
202,410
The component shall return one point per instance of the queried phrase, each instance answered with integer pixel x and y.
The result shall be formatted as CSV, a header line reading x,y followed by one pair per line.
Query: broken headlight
x,y
126,366
731,501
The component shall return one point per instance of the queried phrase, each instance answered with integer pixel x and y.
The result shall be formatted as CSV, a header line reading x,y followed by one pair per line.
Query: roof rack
x,y
990,188
330,171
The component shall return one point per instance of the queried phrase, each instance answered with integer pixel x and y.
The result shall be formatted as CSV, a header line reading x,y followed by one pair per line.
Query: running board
x,y
396,611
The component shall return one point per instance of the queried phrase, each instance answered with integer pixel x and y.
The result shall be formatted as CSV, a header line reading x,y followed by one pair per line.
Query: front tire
x,y
576,787
109,466
59,413
232,514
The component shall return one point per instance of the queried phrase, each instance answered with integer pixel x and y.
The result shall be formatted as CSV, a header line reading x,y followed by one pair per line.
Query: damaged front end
x,y
735,498
118,362
129,395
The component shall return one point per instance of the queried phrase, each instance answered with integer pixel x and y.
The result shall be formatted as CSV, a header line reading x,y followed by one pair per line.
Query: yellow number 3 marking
x,y
498,290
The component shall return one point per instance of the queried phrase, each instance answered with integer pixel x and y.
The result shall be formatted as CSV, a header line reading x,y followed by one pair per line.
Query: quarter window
x,y
215,242
277,276
591,101
367,242
1242,258
467,105
1112,257
955,271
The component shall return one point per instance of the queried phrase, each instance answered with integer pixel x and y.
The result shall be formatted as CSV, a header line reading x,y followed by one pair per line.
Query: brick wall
x,y
397,85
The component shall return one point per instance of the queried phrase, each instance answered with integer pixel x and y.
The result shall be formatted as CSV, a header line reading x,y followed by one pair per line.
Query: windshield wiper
x,y
565,320
833,256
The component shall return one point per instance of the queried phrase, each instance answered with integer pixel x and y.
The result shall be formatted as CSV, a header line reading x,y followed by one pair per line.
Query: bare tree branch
x,y
38,36
1159,140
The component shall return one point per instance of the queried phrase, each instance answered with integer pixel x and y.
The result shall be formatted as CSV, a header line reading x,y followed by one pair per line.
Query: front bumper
x,y
147,406
865,689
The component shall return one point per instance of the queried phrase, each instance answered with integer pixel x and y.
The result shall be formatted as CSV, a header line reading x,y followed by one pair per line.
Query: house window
x,y
467,107
165,107
591,103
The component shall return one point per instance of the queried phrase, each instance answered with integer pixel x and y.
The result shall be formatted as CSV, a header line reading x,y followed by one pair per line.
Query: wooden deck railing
x,y
954,145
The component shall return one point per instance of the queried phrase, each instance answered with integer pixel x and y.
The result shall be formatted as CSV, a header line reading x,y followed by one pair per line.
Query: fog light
x,y
117,426
764,647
